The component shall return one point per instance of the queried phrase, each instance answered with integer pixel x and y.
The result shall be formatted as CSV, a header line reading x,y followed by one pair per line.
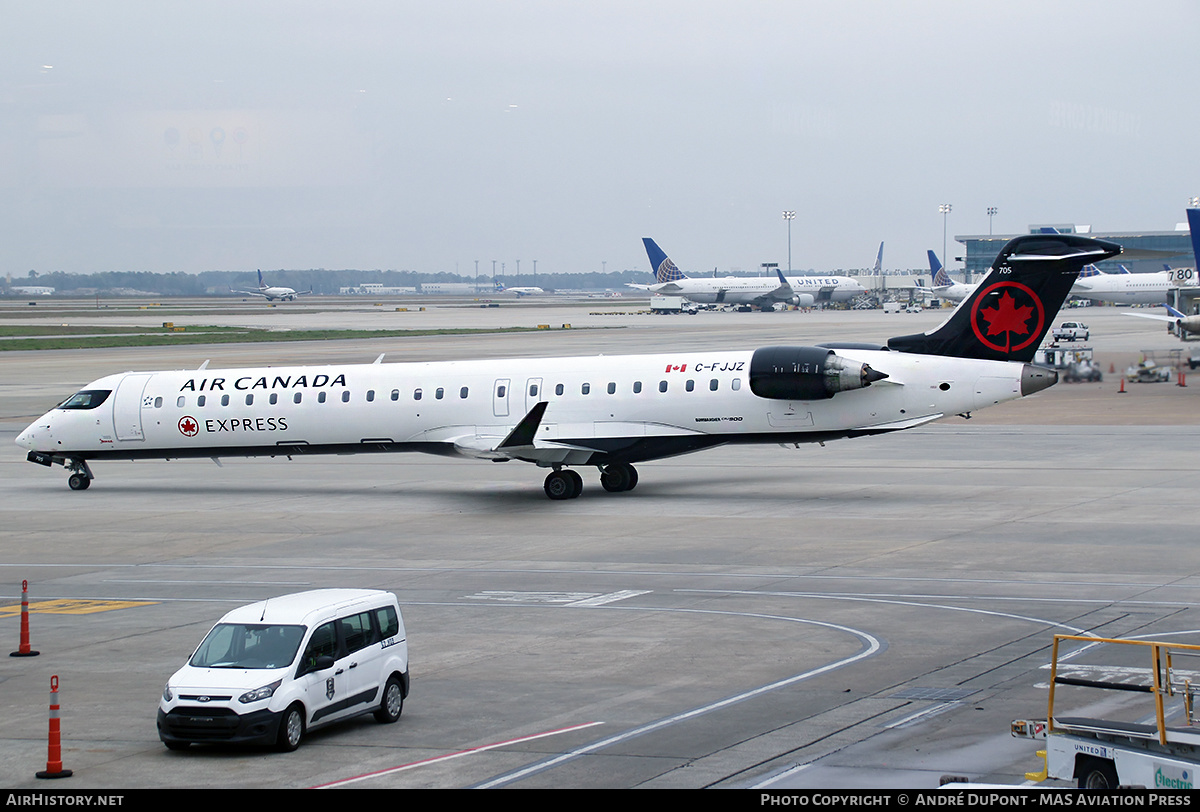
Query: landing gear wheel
x,y
291,729
618,477
392,704
79,482
563,485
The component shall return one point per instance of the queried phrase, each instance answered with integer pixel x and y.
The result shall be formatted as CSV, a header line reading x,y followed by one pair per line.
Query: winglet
x,y
525,431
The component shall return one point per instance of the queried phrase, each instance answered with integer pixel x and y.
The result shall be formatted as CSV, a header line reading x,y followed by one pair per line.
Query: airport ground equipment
x,y
1152,744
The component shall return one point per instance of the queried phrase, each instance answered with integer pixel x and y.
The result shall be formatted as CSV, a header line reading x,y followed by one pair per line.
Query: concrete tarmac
x,y
872,613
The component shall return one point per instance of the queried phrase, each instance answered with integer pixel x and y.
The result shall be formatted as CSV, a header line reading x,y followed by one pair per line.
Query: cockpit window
x,y
87,399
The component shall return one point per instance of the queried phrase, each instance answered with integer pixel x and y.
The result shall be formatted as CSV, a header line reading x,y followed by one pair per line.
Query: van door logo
x,y
188,426
329,688
1012,320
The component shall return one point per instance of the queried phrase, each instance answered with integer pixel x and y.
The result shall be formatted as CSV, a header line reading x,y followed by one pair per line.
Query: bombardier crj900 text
x,y
763,292
607,412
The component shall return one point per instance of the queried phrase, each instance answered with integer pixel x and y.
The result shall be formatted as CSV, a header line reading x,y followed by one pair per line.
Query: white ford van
x,y
270,671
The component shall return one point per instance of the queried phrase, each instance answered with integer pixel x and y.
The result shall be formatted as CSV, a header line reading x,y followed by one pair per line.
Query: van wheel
x,y
291,729
392,704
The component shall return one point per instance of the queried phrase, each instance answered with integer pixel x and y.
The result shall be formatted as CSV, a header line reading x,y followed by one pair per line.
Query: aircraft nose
x,y
29,439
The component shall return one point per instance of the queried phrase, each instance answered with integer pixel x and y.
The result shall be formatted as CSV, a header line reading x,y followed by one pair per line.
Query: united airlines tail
x,y
1194,225
663,268
879,261
941,279
261,285
1010,311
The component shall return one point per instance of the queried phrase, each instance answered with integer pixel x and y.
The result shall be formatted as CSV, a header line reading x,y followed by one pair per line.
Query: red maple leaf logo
x,y
1007,317
188,427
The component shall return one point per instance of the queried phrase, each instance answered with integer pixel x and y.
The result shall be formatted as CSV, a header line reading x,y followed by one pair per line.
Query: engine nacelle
x,y
803,300
806,373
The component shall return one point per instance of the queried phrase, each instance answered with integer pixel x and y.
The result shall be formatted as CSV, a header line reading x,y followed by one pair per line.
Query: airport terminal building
x,y
1145,251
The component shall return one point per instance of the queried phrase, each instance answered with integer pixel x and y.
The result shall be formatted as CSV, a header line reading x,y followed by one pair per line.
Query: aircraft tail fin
x,y
1089,270
663,268
261,284
941,279
1010,311
879,261
1193,216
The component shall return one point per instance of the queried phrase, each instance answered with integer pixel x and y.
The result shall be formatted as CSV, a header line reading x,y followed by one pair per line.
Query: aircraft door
x,y
500,397
127,406
533,393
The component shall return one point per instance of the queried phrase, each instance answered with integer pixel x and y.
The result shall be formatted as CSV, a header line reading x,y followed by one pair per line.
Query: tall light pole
x,y
945,208
789,216
991,214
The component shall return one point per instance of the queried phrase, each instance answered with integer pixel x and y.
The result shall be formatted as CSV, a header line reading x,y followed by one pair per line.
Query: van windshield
x,y
245,645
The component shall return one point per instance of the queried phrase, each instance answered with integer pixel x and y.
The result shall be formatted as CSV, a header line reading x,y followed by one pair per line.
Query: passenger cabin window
x,y
501,390
224,400
637,387
200,400
370,396
296,398
274,398
612,388
417,395
439,393
179,401
533,390
395,394
662,386
690,386
737,384
462,393
346,396
558,390
712,385
320,397
585,389
249,400
158,403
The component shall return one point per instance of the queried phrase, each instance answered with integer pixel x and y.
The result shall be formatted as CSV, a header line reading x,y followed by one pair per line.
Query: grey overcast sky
x,y
216,135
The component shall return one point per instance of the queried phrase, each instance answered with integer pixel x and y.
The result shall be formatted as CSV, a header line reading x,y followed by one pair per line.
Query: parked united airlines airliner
x,y
763,292
609,412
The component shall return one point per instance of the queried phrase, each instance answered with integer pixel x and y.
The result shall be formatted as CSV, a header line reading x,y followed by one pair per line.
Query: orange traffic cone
x,y
24,650
1121,391
54,767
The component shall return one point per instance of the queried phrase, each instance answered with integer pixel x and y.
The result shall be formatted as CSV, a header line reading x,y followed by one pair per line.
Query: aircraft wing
x,y
250,293
521,444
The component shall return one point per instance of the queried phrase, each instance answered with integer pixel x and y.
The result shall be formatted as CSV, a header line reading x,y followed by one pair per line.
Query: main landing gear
x,y
566,484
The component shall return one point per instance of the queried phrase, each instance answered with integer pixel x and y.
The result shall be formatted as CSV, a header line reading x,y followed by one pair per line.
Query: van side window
x,y
323,642
358,632
389,624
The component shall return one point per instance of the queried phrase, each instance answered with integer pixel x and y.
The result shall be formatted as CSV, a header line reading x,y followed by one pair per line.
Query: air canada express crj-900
x,y
606,412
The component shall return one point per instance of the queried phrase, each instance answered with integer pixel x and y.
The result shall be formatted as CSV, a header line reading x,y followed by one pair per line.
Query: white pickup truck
x,y
1071,331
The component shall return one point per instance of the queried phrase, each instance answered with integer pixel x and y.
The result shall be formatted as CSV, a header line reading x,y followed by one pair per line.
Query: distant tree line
x,y
218,283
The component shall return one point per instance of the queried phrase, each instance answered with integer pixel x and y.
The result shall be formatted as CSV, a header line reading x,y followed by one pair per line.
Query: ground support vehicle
x,y
1071,331
1123,749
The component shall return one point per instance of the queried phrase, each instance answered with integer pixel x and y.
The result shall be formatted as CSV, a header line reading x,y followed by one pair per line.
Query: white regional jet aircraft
x,y
758,291
606,411
1123,288
272,292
